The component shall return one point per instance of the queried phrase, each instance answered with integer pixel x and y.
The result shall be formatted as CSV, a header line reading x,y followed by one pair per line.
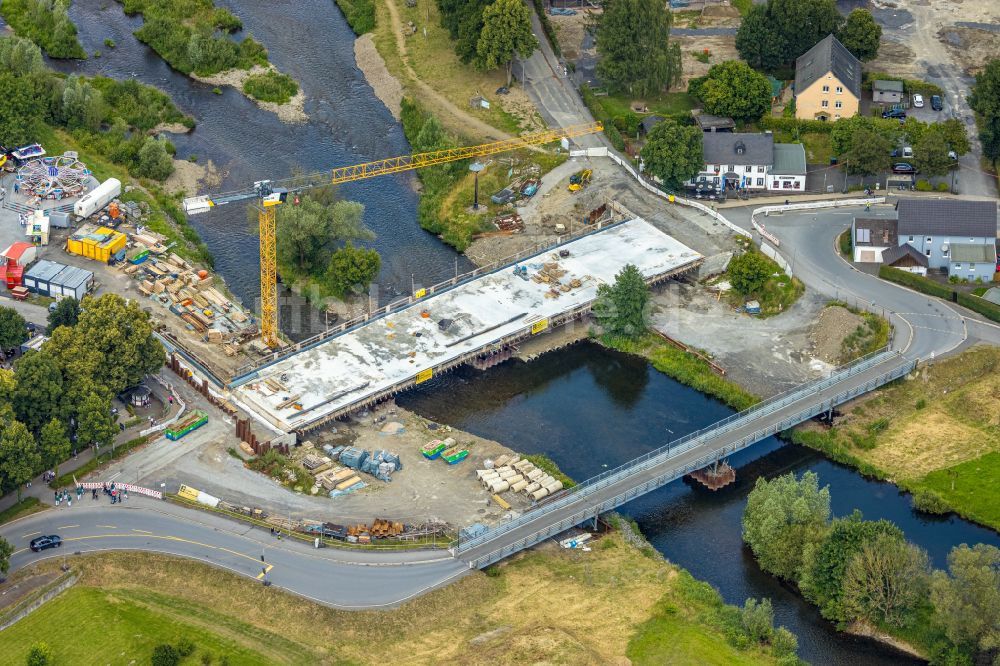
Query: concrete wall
x,y
809,102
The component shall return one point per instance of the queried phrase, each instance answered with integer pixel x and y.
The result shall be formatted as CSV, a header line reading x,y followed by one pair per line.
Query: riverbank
x,y
292,111
933,434
545,605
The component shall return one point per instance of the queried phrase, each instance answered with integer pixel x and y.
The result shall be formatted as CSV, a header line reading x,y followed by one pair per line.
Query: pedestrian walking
x,y
69,501
93,493
125,495
55,496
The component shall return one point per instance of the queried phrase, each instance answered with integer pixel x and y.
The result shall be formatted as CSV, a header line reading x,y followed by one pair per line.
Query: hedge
x,y
610,131
975,303
547,28
772,123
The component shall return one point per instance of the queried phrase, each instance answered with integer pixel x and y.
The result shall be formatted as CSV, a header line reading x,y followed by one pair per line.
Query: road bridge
x,y
682,456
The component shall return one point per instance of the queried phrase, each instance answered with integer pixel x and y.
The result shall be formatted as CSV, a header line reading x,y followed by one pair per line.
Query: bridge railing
x,y
682,444
589,511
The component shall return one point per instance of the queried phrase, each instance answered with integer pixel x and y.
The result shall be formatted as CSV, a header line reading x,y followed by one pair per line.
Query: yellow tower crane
x,y
270,193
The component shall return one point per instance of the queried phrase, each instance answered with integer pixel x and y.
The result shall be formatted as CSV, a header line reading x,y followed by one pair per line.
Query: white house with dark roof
x,y
743,160
957,236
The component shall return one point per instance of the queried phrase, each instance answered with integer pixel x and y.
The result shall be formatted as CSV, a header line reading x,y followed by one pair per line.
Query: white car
x,y
918,101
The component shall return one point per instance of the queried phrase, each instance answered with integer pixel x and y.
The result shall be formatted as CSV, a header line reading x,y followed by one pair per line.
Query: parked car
x,y
918,101
903,167
894,113
936,102
41,543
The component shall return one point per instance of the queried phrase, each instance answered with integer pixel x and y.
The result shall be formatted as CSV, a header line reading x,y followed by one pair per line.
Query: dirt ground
x,y
721,48
834,324
423,491
191,177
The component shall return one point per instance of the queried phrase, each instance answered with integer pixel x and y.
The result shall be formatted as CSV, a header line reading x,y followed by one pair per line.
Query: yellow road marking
x,y
134,529
166,538
66,527
25,536
110,527
266,570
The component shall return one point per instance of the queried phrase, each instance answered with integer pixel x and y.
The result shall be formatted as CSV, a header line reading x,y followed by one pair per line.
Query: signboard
x,y
539,326
188,493
424,375
419,293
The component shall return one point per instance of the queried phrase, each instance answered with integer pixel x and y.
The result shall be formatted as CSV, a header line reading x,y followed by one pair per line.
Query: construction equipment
x,y
270,193
579,180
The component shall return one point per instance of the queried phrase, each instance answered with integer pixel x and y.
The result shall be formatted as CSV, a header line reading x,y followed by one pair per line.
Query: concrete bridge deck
x,y
453,326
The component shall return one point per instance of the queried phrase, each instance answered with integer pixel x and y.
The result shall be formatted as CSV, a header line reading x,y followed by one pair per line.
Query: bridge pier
x,y
718,475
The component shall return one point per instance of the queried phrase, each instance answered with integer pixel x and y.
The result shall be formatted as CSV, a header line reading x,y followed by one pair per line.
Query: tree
x,y
40,654
96,423
302,232
758,41
930,155
21,112
748,272
6,550
13,329
83,105
54,444
621,308
633,42
19,458
966,599
781,518
735,90
464,21
885,581
506,32
784,643
20,56
822,580
122,333
165,655
352,268
869,153
861,34
38,389
153,160
79,364
985,101
67,313
673,152
954,134
803,23
757,619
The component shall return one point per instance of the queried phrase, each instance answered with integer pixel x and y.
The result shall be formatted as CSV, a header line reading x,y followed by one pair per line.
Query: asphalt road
x,y
338,578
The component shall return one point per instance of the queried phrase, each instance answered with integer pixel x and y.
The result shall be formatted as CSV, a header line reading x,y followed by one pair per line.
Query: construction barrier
x,y
138,490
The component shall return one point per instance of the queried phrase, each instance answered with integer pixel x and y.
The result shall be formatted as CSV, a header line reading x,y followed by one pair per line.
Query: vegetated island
x,y
46,23
193,37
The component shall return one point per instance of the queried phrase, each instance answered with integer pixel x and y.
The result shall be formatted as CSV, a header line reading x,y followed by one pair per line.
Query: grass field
x,y
927,433
665,104
544,606
25,507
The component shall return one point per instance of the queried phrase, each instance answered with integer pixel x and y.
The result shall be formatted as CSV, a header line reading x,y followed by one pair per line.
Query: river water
x,y
311,41
591,409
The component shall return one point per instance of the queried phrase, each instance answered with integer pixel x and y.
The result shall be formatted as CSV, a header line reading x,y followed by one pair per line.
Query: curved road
x,y
926,327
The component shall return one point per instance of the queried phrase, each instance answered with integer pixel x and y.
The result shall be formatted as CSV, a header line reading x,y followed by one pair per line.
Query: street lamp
x,y
475,168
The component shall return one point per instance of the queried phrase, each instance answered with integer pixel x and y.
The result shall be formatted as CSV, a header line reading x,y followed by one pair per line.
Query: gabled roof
x,y
738,148
16,250
789,159
649,122
947,217
975,253
893,254
829,55
875,232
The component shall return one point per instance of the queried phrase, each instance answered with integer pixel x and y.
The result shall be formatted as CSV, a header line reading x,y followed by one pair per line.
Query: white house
x,y
741,160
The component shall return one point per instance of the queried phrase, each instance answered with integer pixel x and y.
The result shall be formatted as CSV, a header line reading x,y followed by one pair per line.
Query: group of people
x,y
117,495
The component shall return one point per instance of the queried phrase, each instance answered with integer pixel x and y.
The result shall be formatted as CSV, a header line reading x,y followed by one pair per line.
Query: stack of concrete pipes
x,y
519,477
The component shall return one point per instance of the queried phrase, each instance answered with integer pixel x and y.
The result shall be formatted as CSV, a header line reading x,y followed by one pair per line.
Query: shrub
x,y
914,281
921,403
943,187
185,647
360,15
110,43
924,186
165,655
271,86
46,23
784,643
40,654
929,501
550,33
757,620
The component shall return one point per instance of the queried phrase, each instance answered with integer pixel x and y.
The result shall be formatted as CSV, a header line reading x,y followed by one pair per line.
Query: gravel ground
x,y
387,87
834,324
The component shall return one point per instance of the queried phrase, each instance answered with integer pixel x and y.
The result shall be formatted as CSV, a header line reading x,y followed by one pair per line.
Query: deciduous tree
x,y
82,104
803,23
352,269
13,329
21,112
758,41
636,54
67,313
869,153
985,101
781,518
885,581
96,424
506,33
123,334
735,90
673,152
38,389
622,308
19,457
966,599
54,444
6,550
954,134
930,155
861,34
748,273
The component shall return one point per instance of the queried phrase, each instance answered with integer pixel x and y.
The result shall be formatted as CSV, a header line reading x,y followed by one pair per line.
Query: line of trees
x,y
636,53
62,393
772,35
862,571
865,143
489,33
985,101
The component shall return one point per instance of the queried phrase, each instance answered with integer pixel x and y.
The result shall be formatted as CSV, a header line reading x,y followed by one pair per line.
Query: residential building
x,y
871,237
956,236
887,92
789,171
827,82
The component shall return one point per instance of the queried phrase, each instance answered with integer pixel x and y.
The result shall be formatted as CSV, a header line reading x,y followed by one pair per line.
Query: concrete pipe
x,y
519,486
538,494
532,487
554,486
499,487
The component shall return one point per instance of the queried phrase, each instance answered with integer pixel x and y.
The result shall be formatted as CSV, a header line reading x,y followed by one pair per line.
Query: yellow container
x,y
100,245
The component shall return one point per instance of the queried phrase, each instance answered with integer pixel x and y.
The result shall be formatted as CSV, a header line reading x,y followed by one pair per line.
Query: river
x,y
590,409
311,41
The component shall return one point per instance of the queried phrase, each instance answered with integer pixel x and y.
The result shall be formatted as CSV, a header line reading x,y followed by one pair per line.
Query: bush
x,y
921,403
793,124
943,187
165,655
40,654
924,186
271,86
185,647
784,643
929,501
547,465
360,15
913,281
980,305
110,43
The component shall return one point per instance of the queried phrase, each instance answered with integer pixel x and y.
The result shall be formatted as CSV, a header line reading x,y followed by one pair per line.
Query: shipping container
x,y
99,244
97,198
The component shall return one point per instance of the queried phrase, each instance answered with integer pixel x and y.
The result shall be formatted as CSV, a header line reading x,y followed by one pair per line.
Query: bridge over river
x,y
682,456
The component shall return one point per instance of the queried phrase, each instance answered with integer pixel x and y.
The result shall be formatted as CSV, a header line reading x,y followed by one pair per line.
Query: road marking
x,y
66,527
142,531
109,527
25,536
266,570
114,476
255,560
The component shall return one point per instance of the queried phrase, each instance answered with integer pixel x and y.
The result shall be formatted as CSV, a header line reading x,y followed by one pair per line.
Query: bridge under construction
x,y
461,323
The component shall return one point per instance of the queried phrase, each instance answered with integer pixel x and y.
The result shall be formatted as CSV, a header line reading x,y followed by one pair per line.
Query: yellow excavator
x,y
270,193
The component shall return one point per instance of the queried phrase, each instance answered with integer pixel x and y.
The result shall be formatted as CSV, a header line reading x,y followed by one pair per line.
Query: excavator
x,y
271,193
